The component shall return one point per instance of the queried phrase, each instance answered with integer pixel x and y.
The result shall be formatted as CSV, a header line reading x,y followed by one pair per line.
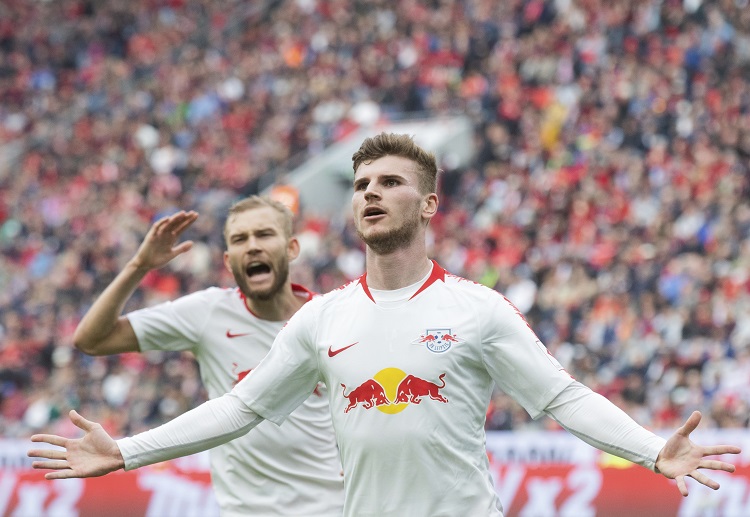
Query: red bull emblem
x,y
239,375
391,390
437,340
412,389
370,393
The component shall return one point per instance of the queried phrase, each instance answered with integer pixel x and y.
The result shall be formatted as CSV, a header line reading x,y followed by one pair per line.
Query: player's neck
x,y
278,308
397,269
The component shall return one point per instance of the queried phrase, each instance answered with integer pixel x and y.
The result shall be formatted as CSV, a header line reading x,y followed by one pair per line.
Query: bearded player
x,y
289,470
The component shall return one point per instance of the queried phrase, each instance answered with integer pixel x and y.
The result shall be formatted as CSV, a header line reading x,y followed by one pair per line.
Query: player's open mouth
x,y
373,212
257,269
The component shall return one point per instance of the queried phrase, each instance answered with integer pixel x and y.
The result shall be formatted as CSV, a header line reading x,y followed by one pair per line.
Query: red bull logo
x,y
437,340
242,375
370,393
239,375
391,390
412,389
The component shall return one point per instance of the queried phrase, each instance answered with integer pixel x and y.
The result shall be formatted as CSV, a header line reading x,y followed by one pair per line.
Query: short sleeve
x,y
173,325
517,360
288,374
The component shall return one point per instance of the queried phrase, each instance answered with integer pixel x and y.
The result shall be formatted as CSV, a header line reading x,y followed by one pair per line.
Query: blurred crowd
x,y
608,197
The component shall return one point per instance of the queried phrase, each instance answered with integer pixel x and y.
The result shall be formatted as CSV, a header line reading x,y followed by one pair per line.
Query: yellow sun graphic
x,y
389,379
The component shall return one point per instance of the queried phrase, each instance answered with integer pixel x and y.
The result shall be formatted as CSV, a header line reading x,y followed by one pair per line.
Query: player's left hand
x,y
680,457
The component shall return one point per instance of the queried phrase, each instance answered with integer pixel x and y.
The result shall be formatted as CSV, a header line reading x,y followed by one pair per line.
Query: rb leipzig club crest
x,y
437,340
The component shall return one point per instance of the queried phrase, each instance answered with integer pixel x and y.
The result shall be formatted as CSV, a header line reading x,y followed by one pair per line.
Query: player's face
x,y
387,203
258,252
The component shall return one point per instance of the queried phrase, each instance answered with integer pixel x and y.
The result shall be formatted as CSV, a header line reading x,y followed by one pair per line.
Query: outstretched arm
x,y
102,330
681,458
598,422
95,454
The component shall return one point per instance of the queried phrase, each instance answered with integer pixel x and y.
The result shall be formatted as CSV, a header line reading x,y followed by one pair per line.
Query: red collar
x,y
303,292
438,273
297,289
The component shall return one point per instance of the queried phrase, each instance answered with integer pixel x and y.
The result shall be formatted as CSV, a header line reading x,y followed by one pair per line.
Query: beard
x,y
279,279
389,241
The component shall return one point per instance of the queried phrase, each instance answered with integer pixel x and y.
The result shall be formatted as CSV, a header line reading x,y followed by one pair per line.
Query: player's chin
x,y
261,292
377,233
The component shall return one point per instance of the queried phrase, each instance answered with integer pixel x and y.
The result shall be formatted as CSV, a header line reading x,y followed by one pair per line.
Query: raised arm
x,y
103,330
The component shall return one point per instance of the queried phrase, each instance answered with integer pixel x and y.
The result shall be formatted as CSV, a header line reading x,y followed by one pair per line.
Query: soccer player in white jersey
x,y
290,470
410,353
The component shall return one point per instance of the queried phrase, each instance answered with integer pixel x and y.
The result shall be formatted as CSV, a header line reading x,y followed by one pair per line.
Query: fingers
x,y
188,219
166,223
50,465
50,454
716,450
175,224
182,247
716,465
681,486
704,480
61,474
51,439
80,422
690,424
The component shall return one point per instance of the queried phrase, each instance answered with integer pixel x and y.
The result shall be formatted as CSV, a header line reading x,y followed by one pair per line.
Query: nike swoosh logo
x,y
231,335
332,352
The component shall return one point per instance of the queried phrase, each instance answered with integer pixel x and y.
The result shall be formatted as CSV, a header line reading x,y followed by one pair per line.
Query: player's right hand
x,y
159,246
93,455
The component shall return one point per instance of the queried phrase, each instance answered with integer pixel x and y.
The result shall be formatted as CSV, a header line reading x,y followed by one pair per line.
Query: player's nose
x,y
253,245
372,192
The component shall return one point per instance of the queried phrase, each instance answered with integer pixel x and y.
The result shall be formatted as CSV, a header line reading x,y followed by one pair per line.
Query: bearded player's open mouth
x,y
256,270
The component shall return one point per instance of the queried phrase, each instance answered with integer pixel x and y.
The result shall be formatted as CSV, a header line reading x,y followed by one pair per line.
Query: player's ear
x,y
226,261
429,205
292,249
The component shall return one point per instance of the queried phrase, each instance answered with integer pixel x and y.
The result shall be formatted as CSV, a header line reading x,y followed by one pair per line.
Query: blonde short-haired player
x,y
289,470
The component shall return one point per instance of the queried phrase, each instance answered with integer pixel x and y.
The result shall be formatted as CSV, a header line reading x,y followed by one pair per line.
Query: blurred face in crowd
x,y
388,205
259,251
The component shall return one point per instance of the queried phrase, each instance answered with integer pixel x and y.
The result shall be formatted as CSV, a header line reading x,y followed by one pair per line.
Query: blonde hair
x,y
253,202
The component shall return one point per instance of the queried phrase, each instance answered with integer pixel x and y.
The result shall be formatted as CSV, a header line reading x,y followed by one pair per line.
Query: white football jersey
x,y
409,387
290,470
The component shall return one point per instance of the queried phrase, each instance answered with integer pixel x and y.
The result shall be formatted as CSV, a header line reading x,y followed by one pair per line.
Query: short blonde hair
x,y
253,202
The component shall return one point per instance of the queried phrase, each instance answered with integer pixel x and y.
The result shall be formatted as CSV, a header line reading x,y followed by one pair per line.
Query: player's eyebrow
x,y
254,231
380,177
236,234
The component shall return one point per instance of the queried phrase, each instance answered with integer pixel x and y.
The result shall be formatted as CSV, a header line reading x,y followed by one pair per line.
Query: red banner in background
x,y
179,488
146,492
536,474
591,490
